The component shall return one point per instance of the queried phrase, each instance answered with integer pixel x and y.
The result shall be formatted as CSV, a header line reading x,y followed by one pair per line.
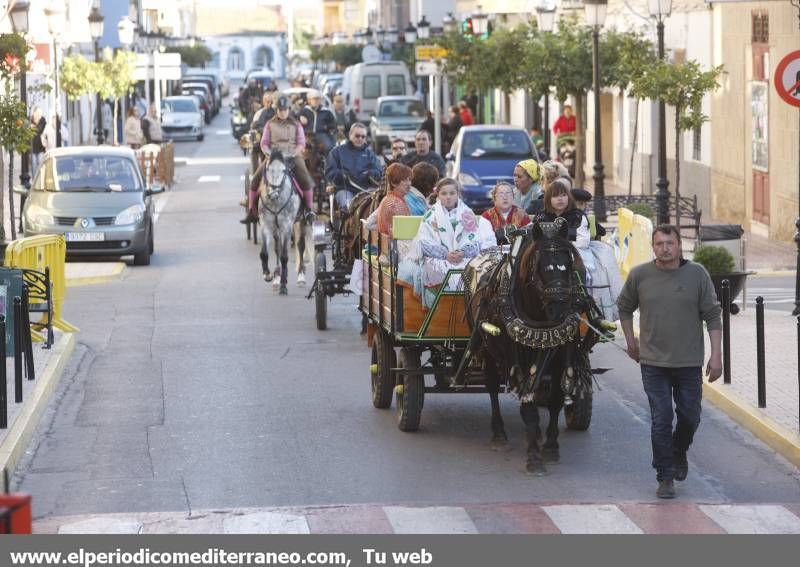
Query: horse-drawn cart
x,y
397,319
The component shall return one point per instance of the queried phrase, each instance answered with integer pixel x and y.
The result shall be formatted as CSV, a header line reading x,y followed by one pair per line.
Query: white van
x,y
364,83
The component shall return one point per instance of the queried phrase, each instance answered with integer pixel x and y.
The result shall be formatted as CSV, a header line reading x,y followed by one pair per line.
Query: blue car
x,y
483,155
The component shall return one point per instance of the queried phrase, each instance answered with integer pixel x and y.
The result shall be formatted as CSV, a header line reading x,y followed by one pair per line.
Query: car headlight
x,y
468,179
381,130
39,216
131,215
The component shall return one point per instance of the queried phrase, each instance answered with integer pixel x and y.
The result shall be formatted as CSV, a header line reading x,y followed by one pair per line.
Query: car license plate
x,y
86,236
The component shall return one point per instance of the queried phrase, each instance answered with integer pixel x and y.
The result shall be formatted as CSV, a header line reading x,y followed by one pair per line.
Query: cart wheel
x,y
578,415
320,297
383,360
247,196
411,392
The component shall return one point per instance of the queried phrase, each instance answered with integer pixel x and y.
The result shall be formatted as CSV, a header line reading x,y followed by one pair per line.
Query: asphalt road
x,y
195,386
778,292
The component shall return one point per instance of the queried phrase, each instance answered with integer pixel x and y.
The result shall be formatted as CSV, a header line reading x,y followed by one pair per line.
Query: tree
x,y
117,71
194,56
342,54
682,86
78,76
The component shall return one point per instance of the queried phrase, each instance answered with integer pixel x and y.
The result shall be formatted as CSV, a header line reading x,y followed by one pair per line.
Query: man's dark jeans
x,y
662,385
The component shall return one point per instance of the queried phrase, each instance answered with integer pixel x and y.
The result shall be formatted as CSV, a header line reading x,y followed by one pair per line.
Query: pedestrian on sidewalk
x,y
674,297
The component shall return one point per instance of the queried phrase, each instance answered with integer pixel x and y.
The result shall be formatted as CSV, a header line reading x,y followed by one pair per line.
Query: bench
x,y
684,211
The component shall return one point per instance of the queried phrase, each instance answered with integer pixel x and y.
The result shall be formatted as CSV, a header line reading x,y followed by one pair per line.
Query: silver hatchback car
x,y
96,197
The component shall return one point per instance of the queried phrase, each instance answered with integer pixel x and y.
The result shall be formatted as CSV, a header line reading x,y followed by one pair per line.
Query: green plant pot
x,y
737,281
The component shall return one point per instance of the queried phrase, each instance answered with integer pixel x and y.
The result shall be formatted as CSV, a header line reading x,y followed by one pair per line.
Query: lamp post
x,y
410,34
19,19
392,35
55,25
423,29
546,20
96,30
596,17
126,30
449,23
660,10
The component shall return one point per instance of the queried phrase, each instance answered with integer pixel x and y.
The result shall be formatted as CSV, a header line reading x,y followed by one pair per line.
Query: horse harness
x,y
277,187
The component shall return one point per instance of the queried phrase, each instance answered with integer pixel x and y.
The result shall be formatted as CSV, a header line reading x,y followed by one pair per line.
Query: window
x,y
264,57
98,173
760,27
402,108
697,140
395,85
497,145
49,183
235,59
372,86
179,105
759,97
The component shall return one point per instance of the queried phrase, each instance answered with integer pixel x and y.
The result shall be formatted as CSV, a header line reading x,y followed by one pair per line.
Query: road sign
x,y
429,52
787,78
424,68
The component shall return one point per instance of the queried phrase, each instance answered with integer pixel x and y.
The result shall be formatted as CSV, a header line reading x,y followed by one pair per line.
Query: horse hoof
x,y
267,277
551,456
499,442
275,282
536,469
301,280
283,290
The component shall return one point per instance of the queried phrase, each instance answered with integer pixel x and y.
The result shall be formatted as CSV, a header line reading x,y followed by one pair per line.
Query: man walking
x,y
674,298
424,154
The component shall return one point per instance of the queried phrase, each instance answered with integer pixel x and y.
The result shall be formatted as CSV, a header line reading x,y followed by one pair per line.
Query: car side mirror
x,y
154,190
21,190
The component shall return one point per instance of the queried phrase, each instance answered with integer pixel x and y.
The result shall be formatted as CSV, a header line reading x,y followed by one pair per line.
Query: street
x,y
195,386
777,291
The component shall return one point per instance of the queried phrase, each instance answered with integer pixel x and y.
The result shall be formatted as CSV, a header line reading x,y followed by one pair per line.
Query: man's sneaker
x,y
681,465
666,489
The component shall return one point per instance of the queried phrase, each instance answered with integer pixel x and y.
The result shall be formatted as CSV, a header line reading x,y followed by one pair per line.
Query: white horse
x,y
279,205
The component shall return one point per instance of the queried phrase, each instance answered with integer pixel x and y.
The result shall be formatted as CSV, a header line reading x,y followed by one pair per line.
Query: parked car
x,y
396,117
181,118
214,73
483,155
202,102
208,86
365,83
97,198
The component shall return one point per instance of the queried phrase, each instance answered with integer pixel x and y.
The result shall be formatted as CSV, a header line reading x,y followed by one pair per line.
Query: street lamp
x,y
596,17
55,25
423,29
480,22
96,30
660,10
19,19
410,33
392,35
449,23
125,29
546,20
380,35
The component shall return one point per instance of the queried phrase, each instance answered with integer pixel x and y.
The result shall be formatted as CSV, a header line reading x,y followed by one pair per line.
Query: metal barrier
x,y
40,253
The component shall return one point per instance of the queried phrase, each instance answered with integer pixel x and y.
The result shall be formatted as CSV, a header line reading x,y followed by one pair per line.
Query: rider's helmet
x,y
283,103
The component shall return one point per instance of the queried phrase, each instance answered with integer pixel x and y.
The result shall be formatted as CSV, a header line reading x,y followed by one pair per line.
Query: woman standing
x,y
399,178
504,212
134,136
527,174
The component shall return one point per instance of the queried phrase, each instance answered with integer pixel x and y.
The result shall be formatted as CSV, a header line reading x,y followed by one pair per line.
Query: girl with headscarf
x,y
526,183
505,212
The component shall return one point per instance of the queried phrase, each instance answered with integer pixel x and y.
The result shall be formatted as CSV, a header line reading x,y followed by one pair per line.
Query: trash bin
x,y
729,236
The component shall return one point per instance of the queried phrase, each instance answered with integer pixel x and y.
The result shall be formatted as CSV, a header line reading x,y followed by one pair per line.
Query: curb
x,y
773,273
24,425
781,439
114,275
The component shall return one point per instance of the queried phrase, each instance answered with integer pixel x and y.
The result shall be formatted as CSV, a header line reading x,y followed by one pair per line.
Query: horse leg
x,y
284,262
499,437
264,254
299,229
530,416
277,272
563,371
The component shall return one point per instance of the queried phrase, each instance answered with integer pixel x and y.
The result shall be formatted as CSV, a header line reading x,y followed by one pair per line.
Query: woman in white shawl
x,y
449,236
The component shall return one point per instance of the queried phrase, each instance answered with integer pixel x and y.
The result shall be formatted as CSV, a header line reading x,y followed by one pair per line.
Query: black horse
x,y
526,310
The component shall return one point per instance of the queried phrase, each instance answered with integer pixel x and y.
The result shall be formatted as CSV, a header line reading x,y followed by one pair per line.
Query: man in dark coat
x,y
424,154
352,161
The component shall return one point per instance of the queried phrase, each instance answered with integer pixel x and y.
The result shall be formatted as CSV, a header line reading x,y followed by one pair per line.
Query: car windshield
x,y
496,145
399,108
179,106
95,174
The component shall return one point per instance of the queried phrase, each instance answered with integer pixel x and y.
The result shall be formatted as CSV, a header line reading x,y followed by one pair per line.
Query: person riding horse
x,y
284,133
351,165
319,123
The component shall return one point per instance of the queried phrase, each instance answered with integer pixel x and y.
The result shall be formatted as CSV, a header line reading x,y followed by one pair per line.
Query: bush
x,y
715,259
642,209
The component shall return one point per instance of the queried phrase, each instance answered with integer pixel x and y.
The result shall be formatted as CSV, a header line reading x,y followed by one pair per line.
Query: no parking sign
x,y
787,78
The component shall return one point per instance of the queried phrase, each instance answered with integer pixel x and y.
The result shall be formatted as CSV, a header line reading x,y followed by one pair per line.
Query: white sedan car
x,y
181,118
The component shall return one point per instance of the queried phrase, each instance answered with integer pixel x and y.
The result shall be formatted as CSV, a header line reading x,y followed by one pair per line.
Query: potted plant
x,y
642,209
720,265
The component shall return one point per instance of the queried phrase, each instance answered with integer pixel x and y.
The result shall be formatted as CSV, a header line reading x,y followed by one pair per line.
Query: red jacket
x,y
564,125
466,117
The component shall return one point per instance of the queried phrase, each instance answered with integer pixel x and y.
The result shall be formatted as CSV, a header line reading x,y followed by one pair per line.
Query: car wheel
x,y
150,245
142,259
200,138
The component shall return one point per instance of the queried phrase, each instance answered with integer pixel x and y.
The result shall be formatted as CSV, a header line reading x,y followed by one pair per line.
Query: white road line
x,y
213,161
759,519
222,132
161,202
209,179
102,526
591,519
431,520
266,523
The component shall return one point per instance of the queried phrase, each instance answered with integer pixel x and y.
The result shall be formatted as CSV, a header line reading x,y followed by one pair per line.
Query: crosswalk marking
x,y
758,519
101,525
266,523
222,132
209,179
771,295
431,520
588,519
